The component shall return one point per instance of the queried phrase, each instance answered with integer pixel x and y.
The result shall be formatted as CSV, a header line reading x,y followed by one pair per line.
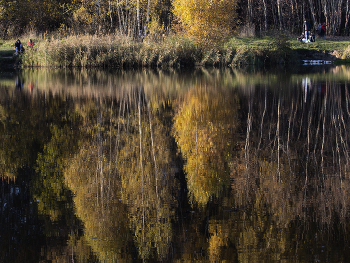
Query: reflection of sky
x,y
307,87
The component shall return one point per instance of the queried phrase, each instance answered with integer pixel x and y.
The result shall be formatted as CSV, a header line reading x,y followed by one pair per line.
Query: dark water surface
x,y
195,166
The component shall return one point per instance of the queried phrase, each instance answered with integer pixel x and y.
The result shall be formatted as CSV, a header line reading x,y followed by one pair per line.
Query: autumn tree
x,y
208,22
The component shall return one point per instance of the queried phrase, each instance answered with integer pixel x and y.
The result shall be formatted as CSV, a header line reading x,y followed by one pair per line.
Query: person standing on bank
x,y
307,29
18,46
323,30
30,44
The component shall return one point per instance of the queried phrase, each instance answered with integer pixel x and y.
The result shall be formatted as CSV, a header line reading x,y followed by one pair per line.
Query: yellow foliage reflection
x,y
204,130
123,181
147,180
220,249
104,220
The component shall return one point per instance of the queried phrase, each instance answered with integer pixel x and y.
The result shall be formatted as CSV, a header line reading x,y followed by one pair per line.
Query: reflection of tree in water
x,y
104,221
294,168
204,130
144,164
22,131
288,168
124,178
20,227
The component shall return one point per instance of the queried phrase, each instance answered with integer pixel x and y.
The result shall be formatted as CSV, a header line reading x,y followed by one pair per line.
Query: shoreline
x,y
183,54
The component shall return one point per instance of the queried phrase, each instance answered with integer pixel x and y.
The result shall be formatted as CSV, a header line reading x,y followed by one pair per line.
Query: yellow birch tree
x,y
207,22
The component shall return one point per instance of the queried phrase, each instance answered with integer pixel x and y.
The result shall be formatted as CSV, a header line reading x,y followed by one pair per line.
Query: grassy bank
x,y
113,51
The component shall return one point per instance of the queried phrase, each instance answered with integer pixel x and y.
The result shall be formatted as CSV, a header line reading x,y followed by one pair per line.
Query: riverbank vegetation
x,y
118,51
172,33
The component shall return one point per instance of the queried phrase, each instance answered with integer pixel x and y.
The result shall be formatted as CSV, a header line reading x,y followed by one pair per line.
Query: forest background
x,y
129,17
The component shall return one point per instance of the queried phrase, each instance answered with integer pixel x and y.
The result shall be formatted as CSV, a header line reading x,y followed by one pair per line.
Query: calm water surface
x,y
195,166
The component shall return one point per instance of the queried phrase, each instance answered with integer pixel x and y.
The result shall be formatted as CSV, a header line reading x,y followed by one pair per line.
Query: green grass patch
x,y
320,44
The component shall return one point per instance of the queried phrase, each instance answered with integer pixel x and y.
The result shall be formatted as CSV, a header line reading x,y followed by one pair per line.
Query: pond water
x,y
175,166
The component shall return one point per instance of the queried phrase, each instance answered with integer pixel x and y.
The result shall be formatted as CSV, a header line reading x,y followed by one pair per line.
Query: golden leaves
x,y
208,22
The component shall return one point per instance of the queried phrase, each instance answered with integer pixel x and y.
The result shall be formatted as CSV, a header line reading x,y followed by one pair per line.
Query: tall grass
x,y
111,51
117,51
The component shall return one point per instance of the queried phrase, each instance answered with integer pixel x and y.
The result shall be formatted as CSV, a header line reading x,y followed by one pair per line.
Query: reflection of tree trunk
x,y
324,132
141,168
262,121
153,150
348,112
289,125
110,152
320,114
301,121
278,137
196,148
309,131
99,168
341,145
249,125
118,133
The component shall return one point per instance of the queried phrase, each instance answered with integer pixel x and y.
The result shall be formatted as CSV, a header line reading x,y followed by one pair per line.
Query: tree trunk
x,y
347,15
292,16
97,13
337,17
250,12
265,15
110,13
138,18
312,9
280,15
325,10
120,17
147,19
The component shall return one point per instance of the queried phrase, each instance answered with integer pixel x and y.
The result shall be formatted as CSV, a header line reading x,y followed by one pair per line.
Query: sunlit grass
x,y
117,51
265,42
112,51
320,44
